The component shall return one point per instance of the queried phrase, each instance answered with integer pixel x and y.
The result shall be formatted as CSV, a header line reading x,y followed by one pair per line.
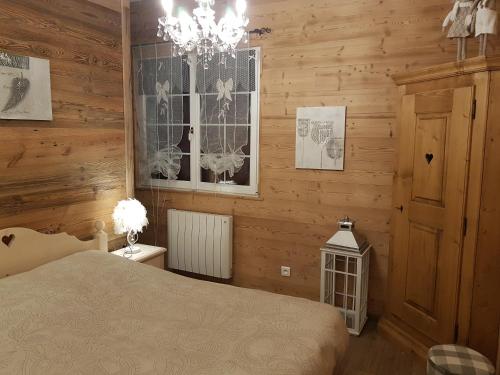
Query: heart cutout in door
x,y
429,158
8,240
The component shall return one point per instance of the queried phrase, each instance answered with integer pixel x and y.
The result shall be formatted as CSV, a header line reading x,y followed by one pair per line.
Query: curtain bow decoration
x,y
224,89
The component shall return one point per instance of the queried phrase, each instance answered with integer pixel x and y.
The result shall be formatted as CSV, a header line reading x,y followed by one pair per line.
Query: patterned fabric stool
x,y
457,360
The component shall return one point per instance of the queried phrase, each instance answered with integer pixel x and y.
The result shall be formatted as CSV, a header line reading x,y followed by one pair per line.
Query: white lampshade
x,y
129,215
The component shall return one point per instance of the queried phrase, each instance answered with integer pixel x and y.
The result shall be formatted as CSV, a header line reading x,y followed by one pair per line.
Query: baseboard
x,y
395,331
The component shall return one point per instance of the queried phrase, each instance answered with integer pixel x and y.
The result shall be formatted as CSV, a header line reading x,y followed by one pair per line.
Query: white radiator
x,y
200,243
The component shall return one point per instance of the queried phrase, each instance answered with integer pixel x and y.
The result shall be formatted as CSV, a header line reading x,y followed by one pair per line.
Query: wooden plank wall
x,y
320,52
64,174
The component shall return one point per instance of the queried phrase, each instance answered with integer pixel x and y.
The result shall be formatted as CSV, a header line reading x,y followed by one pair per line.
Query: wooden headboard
x,y
23,249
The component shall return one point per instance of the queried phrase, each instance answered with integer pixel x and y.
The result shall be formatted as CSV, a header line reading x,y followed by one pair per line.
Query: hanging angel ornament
x,y
484,21
460,18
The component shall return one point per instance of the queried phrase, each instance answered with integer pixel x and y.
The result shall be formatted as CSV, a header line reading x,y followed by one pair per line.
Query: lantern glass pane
x,y
329,261
340,283
352,265
340,263
351,285
339,300
349,321
350,303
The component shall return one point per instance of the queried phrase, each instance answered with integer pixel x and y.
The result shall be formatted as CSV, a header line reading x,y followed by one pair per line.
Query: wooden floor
x,y
370,354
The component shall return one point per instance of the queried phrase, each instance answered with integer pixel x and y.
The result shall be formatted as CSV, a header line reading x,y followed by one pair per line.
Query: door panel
x,y
430,189
423,252
429,159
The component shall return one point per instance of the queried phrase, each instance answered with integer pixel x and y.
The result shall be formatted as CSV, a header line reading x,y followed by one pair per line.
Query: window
x,y
197,128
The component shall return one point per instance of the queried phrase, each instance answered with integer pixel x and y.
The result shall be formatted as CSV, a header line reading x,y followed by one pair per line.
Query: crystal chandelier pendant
x,y
201,32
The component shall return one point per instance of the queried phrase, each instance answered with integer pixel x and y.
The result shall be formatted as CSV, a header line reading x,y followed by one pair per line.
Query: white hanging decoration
x,y
201,32
230,162
224,89
167,162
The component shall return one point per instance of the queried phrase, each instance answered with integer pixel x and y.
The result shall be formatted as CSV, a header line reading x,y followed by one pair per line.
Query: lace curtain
x,y
161,93
164,96
225,113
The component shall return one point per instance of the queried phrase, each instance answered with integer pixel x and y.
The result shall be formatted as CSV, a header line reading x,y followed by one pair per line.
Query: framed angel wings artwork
x,y
24,88
320,138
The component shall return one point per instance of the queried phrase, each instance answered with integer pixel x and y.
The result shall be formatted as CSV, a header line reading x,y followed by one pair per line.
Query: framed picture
x,y
24,88
320,138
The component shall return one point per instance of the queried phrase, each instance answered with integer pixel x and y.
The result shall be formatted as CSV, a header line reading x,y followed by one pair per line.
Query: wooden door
x,y
428,225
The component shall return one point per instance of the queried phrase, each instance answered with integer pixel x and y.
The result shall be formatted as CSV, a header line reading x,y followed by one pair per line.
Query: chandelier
x,y
201,32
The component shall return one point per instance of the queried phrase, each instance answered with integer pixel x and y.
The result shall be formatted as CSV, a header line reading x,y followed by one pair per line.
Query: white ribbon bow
x,y
224,89
162,91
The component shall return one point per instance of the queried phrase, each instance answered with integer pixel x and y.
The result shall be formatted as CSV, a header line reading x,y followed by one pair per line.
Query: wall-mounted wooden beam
x,y
127,97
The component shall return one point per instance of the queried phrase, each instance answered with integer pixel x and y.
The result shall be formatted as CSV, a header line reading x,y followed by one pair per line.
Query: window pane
x,y
173,70
212,139
241,70
166,148
164,136
238,139
239,174
167,110
206,175
242,177
234,111
146,77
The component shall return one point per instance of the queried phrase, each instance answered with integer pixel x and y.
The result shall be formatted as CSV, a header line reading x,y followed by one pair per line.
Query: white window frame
x,y
195,150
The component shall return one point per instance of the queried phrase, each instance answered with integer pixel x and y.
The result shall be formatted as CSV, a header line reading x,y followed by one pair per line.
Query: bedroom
x,y
85,145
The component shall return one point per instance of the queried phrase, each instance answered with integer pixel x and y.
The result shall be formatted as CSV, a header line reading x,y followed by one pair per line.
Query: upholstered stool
x,y
457,360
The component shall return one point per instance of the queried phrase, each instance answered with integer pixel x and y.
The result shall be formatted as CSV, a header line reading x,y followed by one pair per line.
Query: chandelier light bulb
x,y
229,17
241,7
201,32
168,6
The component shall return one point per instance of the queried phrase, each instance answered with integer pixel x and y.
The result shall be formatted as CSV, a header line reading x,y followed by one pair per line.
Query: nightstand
x,y
151,255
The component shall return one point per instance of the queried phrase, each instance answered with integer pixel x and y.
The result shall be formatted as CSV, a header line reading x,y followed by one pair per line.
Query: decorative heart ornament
x,y
8,240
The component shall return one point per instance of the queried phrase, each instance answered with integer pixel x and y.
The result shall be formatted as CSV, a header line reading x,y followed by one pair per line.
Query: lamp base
x,y
132,250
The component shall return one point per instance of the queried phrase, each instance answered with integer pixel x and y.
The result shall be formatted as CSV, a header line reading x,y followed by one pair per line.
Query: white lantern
x,y
345,260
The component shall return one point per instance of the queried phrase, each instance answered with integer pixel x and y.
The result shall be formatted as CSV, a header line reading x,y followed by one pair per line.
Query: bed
x,y
90,312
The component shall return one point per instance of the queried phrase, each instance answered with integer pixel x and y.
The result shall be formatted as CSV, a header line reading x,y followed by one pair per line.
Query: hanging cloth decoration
x,y
160,87
225,89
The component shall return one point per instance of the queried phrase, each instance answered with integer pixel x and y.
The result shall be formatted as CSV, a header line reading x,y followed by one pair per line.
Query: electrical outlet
x,y
285,271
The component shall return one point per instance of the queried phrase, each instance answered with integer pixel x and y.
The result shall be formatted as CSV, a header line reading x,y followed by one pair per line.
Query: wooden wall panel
x,y
320,53
62,175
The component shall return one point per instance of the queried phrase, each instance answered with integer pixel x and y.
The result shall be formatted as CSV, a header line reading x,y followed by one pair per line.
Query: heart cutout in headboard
x,y
8,240
429,158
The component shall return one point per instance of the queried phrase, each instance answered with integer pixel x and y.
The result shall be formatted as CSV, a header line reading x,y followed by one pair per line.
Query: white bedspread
x,y
96,313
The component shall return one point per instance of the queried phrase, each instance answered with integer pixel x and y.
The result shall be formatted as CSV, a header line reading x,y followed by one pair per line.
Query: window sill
x,y
216,194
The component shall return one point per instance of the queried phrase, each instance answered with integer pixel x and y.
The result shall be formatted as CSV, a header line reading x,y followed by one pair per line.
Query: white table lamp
x,y
129,217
